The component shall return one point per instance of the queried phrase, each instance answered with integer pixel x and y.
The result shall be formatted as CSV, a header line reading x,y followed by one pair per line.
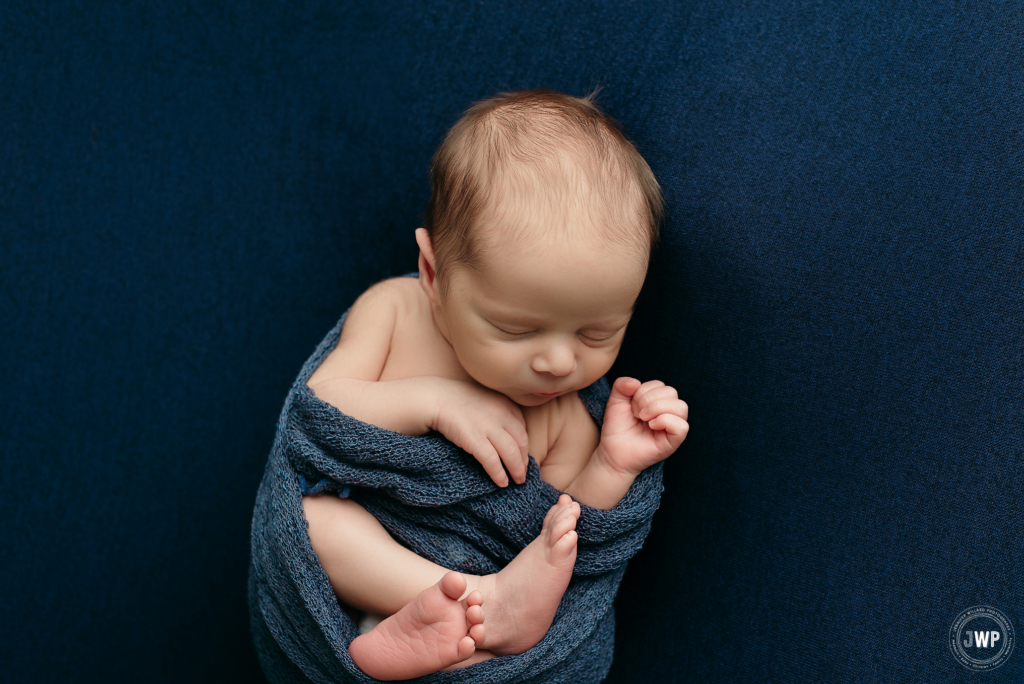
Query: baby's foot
x,y
430,633
520,601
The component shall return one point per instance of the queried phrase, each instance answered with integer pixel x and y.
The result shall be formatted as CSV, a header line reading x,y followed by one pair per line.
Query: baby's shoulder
x,y
401,286
367,334
387,299
400,290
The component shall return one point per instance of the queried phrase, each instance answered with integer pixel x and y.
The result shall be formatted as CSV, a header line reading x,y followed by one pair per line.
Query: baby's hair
x,y
546,148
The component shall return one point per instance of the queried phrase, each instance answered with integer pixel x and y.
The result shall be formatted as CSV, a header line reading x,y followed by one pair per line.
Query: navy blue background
x,y
190,195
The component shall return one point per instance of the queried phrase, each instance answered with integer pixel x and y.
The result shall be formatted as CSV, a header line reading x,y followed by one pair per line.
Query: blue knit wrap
x,y
437,500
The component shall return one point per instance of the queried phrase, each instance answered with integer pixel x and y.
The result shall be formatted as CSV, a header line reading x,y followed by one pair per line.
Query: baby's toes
x,y
563,503
453,584
467,646
571,512
563,523
477,633
564,548
475,615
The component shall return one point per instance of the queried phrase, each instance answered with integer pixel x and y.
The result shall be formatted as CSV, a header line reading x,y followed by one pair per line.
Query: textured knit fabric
x,y
436,500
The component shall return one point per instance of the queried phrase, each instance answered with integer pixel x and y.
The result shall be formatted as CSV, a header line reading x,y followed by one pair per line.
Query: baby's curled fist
x,y
643,424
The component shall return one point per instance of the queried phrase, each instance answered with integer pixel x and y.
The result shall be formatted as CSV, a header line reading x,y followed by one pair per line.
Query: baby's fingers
x,y
624,388
674,426
667,404
484,452
511,454
650,392
518,431
650,386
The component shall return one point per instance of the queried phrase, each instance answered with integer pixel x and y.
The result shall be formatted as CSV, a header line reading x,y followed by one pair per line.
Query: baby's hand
x,y
643,424
485,423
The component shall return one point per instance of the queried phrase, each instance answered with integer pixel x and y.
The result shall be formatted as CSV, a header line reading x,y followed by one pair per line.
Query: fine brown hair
x,y
530,143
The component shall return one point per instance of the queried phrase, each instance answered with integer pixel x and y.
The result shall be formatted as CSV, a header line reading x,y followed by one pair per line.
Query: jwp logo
x,y
981,638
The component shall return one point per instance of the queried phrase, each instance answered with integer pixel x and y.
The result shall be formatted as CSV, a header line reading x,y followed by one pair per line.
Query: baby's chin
x,y
530,399
524,399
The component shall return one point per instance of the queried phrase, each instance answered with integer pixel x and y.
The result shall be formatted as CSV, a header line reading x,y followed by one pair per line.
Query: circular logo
x,y
981,638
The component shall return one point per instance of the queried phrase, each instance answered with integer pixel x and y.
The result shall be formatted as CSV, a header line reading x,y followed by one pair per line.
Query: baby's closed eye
x,y
513,333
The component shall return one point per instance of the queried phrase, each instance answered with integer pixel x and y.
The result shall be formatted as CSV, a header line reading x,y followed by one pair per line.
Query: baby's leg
x,y
369,570
428,629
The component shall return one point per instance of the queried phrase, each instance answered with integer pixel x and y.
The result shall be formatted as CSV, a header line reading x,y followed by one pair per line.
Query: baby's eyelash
x,y
519,335
513,334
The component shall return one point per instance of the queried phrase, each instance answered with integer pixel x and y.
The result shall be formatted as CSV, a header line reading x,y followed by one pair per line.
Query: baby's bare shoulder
x,y
401,286
404,293
393,290
366,336
382,301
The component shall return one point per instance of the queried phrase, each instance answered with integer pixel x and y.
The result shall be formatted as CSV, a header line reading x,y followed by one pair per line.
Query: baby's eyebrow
x,y
608,326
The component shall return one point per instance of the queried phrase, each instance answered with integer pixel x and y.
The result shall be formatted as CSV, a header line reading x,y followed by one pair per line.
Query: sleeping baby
x,y
535,245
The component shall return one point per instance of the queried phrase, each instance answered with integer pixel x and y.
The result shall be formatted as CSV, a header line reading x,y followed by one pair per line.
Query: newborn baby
x,y
536,243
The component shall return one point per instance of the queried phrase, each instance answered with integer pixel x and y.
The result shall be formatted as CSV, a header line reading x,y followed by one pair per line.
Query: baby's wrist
x,y
602,484
608,463
431,399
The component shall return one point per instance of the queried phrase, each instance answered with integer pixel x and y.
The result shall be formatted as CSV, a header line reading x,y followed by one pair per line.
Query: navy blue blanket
x,y
437,500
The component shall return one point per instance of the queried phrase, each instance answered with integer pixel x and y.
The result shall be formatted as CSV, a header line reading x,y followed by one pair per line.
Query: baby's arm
x,y
643,424
349,378
486,424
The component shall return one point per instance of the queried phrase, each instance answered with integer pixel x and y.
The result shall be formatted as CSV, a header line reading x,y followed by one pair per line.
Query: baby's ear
x,y
428,272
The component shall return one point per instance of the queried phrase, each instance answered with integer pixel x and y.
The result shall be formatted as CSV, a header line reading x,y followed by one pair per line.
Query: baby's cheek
x,y
599,361
498,364
513,363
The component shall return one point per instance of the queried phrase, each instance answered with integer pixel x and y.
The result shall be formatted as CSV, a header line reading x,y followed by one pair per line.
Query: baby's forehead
x,y
580,287
555,255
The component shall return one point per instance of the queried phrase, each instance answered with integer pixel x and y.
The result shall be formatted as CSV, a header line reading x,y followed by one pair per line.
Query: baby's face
x,y
535,322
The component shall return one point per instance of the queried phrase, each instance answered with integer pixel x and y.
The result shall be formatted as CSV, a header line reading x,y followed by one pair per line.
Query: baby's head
x,y
536,242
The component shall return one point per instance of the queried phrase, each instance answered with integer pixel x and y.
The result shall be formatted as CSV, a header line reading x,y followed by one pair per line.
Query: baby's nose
x,y
558,360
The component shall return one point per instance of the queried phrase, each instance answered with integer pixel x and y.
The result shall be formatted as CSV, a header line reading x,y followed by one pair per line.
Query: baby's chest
x,y
563,436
